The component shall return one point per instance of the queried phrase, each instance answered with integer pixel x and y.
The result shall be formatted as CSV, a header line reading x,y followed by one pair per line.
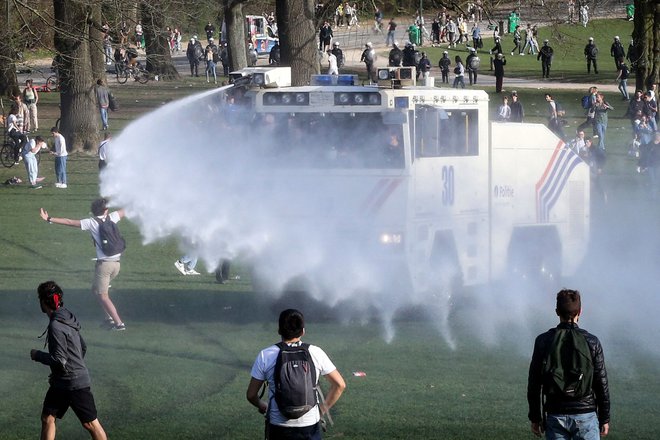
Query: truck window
x,y
328,140
446,132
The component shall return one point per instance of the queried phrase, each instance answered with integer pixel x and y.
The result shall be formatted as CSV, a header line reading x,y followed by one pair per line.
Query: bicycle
x,y
53,84
7,153
137,72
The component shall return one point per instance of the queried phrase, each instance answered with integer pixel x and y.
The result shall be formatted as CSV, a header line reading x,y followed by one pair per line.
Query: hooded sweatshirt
x,y
66,352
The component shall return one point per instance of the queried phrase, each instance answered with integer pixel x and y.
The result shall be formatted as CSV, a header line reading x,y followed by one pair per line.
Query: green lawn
x,y
181,369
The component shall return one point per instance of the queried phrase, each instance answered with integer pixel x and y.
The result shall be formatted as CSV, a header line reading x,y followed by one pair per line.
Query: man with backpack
x,y
109,245
567,390
292,368
591,54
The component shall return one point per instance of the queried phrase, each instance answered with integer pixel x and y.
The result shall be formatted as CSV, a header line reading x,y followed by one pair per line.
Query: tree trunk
x,y
646,36
156,38
96,53
295,22
236,38
8,80
80,115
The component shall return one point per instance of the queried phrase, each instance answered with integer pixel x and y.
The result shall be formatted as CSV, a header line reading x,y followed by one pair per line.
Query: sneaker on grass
x,y
118,327
180,267
192,272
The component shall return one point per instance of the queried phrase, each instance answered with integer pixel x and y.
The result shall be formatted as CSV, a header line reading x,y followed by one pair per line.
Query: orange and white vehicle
x,y
419,181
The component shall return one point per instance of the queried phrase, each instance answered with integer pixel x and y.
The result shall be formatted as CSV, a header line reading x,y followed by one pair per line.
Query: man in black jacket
x,y
560,416
617,51
69,379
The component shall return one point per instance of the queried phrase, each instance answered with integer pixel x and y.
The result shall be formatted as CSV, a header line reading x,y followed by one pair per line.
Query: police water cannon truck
x,y
426,181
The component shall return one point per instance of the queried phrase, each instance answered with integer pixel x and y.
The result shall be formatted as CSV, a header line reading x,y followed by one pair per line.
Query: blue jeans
x,y
189,260
104,117
210,70
60,169
390,38
623,88
572,427
31,167
600,131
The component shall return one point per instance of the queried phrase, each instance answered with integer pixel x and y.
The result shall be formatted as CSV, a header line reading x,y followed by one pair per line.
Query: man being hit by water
x,y
583,416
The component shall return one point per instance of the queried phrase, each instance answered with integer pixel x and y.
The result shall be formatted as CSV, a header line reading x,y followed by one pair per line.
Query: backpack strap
x,y
100,222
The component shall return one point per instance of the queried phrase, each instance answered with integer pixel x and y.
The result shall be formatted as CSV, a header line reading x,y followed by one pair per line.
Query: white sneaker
x,y
192,272
180,267
62,185
58,185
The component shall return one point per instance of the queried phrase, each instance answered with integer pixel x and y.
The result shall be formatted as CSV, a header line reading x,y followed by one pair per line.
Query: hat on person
x,y
616,38
472,49
194,37
500,55
395,43
514,93
546,41
369,44
446,53
211,39
336,44
591,38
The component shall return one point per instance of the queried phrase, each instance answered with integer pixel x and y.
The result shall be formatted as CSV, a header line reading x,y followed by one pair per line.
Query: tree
x,y
156,37
235,37
295,23
80,116
8,80
646,36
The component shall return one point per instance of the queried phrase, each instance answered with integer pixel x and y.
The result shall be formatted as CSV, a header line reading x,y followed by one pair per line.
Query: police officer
x,y
396,55
590,53
337,52
545,55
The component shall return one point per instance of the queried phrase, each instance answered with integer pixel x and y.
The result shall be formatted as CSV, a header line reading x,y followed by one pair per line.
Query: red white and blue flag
x,y
555,176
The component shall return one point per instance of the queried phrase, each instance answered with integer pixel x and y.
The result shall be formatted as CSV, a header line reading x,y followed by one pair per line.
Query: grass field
x,y
181,369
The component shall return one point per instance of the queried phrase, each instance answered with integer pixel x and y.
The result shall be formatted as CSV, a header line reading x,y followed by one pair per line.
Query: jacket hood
x,y
64,316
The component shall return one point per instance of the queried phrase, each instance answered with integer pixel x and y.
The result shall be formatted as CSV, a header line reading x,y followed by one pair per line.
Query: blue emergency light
x,y
334,80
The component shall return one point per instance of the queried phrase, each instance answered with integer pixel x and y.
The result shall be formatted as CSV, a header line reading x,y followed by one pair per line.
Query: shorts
x,y
58,401
277,432
104,273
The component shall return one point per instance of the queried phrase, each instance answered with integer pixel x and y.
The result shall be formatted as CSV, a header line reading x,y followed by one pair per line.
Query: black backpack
x,y
295,380
568,368
112,242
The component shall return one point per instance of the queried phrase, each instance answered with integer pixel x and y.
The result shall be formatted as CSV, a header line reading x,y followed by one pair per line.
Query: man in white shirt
x,y
107,266
60,157
332,63
291,329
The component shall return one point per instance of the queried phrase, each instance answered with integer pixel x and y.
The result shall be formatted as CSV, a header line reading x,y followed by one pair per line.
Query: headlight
x,y
383,74
391,239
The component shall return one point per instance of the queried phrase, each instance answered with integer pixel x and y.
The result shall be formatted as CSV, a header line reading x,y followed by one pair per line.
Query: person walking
x,y
545,55
498,64
31,98
554,117
617,51
69,379
424,66
472,62
61,155
107,266
622,77
194,53
444,65
212,57
369,58
588,105
391,32
551,411
279,426
516,42
459,72
591,55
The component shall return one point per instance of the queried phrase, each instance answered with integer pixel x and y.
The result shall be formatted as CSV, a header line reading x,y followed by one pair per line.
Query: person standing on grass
x,y
584,417
31,98
69,379
617,51
30,160
545,55
517,109
622,78
279,427
107,266
61,155
103,101
459,72
591,55
601,107
499,64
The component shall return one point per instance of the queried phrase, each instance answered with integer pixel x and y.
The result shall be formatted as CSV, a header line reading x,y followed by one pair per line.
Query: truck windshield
x,y
327,140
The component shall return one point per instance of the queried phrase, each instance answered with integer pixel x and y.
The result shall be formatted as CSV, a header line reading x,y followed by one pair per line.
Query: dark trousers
x,y
445,76
545,66
19,142
472,74
498,83
194,68
589,62
590,122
